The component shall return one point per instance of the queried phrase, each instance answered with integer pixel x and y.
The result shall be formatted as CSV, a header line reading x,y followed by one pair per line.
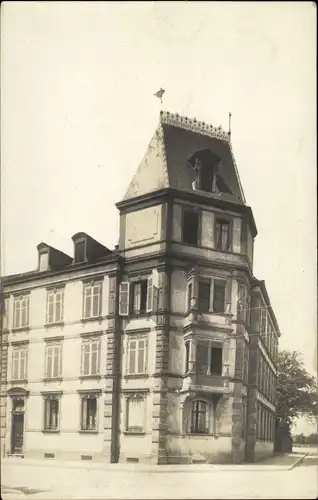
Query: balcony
x,y
201,380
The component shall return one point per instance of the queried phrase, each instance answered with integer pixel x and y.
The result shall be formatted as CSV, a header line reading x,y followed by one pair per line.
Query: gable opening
x,y
206,166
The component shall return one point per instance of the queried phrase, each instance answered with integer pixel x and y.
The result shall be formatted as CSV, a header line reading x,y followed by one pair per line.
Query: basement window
x,y
190,227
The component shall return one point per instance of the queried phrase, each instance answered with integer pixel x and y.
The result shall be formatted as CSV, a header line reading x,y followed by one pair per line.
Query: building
x,y
162,350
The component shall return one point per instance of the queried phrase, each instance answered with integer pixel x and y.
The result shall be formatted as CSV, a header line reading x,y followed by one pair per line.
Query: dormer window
x,y
206,166
80,251
44,261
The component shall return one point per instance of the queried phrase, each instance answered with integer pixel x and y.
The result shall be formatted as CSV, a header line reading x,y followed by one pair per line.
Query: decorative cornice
x,y
193,125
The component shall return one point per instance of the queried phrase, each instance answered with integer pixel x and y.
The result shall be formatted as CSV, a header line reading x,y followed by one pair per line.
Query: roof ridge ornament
x,y
194,125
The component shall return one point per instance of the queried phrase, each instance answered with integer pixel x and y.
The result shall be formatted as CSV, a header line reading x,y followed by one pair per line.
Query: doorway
x,y
17,427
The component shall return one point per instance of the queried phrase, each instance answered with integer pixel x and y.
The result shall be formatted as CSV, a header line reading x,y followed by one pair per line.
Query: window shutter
x,y
112,295
132,356
124,298
6,314
149,294
15,364
24,319
87,301
58,307
22,364
17,310
46,413
141,356
136,298
56,359
96,300
85,358
50,307
84,414
94,358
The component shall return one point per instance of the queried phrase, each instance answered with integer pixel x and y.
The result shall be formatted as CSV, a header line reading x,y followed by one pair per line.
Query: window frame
x,y
212,281
53,292
19,349
82,240
142,398
188,209
91,286
18,300
137,339
48,398
84,397
207,417
90,341
53,344
222,220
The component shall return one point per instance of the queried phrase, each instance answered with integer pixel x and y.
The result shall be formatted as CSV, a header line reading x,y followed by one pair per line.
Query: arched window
x,y
199,417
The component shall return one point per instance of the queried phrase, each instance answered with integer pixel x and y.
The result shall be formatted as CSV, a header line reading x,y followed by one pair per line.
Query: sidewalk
x,y
276,462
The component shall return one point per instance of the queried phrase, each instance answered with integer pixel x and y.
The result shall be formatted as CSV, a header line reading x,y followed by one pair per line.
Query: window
x,y
204,295
19,363
137,349
222,235
199,417
135,413
54,306
216,361
241,303
137,297
190,227
44,261
5,313
212,295
53,360
92,300
80,251
21,312
244,420
190,296
90,357
263,325
208,359
51,412
219,295
89,412
187,356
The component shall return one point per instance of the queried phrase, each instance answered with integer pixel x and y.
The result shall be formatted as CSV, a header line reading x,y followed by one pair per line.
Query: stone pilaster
x,y
3,388
112,410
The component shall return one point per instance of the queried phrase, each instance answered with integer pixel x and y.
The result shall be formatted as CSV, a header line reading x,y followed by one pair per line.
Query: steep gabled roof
x,y
166,162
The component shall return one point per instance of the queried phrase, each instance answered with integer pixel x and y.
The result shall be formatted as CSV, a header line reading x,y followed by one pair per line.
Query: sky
x,y
78,111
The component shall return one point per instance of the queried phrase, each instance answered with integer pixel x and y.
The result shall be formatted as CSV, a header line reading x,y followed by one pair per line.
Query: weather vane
x,y
159,94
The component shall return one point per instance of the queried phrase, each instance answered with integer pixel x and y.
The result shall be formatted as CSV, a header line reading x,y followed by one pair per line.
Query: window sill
x,y
136,375
52,379
51,431
134,433
96,377
18,381
88,431
21,329
140,315
200,434
92,318
57,323
192,245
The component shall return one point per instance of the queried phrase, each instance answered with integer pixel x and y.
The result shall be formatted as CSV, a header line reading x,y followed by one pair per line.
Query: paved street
x,y
51,481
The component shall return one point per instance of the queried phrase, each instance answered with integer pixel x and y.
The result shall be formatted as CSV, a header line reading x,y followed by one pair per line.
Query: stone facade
x,y
162,350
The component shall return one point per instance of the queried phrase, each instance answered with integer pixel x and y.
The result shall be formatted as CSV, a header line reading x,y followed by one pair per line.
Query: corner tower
x,y
186,238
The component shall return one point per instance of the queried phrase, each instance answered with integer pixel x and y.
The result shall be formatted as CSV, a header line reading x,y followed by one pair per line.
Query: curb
x,y
298,461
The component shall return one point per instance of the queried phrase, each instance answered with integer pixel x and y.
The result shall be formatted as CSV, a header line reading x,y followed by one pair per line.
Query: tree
x,y
296,395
